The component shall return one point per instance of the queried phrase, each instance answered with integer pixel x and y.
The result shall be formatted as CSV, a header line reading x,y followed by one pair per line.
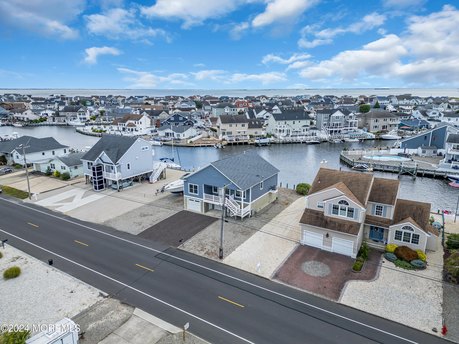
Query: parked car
x,y
5,170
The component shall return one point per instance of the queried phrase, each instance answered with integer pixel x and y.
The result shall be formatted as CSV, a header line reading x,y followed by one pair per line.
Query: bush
x,y
418,264
48,171
421,255
303,188
17,166
12,272
364,251
452,243
405,253
57,174
65,176
452,264
390,256
403,264
1,255
364,108
358,264
391,248
3,160
14,337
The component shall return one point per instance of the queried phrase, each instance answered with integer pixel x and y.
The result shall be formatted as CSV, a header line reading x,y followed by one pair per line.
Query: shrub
x,y
452,264
390,256
405,253
452,243
418,264
65,176
17,166
358,264
1,255
403,264
364,108
391,248
48,171
12,272
57,174
303,188
364,251
3,160
421,255
14,337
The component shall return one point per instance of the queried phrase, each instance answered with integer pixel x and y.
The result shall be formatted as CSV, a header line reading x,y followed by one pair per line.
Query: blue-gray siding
x,y
435,137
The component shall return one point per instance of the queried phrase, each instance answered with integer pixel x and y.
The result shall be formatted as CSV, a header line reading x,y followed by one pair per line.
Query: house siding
x,y
208,176
141,161
422,237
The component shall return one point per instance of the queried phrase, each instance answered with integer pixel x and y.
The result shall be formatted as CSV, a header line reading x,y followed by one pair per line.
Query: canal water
x,y
297,162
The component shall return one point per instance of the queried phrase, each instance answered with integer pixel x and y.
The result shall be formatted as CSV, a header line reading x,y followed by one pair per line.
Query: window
x,y
379,210
335,209
193,189
128,166
89,164
343,209
54,153
343,202
320,205
350,212
215,189
239,194
261,186
42,153
52,166
65,150
398,235
415,239
62,167
406,234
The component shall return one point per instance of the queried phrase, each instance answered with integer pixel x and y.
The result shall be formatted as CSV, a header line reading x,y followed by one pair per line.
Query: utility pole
x,y
457,208
26,168
220,251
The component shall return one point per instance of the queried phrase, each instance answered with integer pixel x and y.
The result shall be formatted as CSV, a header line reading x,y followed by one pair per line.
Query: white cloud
x,y
282,11
119,23
325,36
271,58
211,74
238,30
403,3
424,55
93,53
264,78
141,79
47,17
192,12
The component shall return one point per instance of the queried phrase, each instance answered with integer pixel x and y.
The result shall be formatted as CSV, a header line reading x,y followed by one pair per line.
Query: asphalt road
x,y
222,304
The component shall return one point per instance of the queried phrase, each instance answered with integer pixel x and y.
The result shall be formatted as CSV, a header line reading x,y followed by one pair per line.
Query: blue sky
x,y
228,44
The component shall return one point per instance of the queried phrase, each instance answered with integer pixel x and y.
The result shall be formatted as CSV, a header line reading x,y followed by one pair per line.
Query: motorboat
x,y
76,123
175,186
313,141
262,142
453,177
335,141
454,184
392,135
348,139
170,163
156,143
18,125
362,168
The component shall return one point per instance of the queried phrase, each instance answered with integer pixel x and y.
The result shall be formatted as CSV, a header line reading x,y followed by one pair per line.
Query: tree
x,y
364,108
198,104
377,106
303,188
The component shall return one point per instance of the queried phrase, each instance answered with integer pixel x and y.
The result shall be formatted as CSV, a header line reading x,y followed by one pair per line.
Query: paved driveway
x,y
323,273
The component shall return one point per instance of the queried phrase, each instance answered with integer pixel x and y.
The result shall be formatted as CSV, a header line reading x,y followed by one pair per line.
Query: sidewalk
x,y
262,253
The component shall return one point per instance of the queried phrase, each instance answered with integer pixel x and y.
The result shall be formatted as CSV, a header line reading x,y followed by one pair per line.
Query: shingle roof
x,y
384,191
453,138
34,144
358,183
291,115
234,119
345,190
113,146
72,159
378,114
419,212
245,170
318,219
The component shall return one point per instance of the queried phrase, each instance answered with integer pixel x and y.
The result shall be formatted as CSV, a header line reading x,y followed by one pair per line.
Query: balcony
x,y
112,176
215,199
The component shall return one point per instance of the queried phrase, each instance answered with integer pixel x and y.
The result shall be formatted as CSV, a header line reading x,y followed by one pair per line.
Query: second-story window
x,y
320,205
193,189
379,210
128,166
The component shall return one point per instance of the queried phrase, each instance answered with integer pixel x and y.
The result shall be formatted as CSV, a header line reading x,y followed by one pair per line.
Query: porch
x,y
376,236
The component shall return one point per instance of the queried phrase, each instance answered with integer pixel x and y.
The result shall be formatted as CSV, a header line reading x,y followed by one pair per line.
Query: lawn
x,y
7,190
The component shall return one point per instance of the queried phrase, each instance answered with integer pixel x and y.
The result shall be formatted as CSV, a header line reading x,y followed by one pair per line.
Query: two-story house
x,y
243,184
177,132
345,208
451,159
378,120
35,149
114,160
336,122
233,127
134,124
288,123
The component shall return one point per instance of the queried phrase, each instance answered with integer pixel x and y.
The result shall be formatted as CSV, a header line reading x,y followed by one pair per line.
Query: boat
x,y
453,178
76,123
312,141
175,186
170,163
351,140
454,184
156,143
335,140
18,125
262,142
392,135
218,146
362,168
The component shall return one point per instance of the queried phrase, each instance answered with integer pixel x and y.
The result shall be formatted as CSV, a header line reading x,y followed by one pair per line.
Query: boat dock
x,y
415,166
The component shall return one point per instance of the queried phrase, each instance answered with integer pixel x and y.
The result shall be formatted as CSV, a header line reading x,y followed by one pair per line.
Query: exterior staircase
x,y
235,209
158,169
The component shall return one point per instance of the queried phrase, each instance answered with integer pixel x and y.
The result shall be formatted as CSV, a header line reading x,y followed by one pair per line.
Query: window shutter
x,y
356,213
373,209
330,208
384,211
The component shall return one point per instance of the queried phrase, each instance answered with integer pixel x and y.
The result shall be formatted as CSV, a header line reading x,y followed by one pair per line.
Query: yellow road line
x,y
144,267
32,224
232,302
81,243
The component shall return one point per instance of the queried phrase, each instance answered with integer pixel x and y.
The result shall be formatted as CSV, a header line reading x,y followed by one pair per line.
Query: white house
x,y
177,132
288,123
134,124
70,163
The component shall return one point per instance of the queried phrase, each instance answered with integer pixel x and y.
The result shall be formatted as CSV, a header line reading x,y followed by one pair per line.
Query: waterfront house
x,y
75,113
224,108
378,120
134,124
114,161
36,149
451,117
178,119
244,183
70,163
177,132
288,123
433,137
336,122
451,159
344,208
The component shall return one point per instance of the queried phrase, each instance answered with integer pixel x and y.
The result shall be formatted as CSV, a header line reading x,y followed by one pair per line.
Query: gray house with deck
x,y
243,184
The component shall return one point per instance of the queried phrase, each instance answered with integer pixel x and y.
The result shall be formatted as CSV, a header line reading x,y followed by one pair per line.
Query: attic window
x,y
343,202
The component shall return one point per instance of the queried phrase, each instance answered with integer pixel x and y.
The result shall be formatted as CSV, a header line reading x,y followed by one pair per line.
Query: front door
x,y
377,234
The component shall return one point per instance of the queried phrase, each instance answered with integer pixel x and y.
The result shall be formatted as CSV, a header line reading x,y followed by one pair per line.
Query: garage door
x,y
313,239
194,205
343,246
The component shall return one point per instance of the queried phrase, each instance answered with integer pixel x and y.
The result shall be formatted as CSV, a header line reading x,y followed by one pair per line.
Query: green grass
x,y
8,190
14,337
12,272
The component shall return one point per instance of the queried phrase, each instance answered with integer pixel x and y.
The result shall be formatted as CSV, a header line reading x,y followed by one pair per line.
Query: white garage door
x,y
313,239
194,205
343,246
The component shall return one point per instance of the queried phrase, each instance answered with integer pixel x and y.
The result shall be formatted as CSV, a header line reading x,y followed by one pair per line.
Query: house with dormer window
x,y
344,208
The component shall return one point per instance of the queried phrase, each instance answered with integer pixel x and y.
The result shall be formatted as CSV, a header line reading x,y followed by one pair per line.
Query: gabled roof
x,y
291,115
73,159
33,144
384,191
317,218
345,190
358,183
245,170
233,119
114,146
419,212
